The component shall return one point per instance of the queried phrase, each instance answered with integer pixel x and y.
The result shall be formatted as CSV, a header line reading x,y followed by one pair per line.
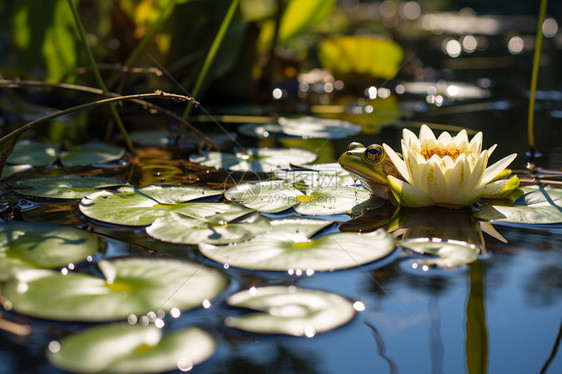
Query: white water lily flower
x,y
449,171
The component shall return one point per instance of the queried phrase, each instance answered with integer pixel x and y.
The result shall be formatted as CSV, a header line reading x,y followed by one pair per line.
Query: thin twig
x,y
145,104
156,95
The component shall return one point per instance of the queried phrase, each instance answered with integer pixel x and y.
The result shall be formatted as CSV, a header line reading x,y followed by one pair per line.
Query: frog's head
x,y
370,165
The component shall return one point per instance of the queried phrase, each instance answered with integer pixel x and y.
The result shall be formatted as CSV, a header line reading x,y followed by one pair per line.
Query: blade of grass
x,y
211,54
534,78
98,76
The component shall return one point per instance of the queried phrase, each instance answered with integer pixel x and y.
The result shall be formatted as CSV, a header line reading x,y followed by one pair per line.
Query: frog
x,y
371,165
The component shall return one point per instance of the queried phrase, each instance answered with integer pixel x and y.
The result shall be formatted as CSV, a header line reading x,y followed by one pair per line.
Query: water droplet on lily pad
x,y
280,252
124,348
289,310
130,286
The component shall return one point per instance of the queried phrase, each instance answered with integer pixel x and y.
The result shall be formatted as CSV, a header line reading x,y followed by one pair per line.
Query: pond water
x,y
500,314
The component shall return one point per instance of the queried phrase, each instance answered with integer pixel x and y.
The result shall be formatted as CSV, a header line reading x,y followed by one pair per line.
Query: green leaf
x,y
302,127
131,286
450,253
124,348
28,245
178,228
538,205
329,200
91,153
269,197
133,206
361,55
255,159
33,153
73,187
327,253
289,310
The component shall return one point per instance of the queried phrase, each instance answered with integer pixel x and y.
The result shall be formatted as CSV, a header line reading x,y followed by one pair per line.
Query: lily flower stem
x,y
534,77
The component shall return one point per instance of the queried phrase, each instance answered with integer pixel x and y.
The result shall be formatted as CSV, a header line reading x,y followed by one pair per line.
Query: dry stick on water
x,y
203,139
534,77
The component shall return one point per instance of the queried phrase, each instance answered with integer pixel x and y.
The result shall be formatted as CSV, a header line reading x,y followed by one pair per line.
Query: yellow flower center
x,y
452,153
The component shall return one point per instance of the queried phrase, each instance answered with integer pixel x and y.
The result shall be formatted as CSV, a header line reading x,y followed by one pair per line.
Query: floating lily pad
x,y
40,154
13,169
255,159
91,153
327,253
269,197
538,205
276,196
296,229
73,187
328,200
27,152
124,348
141,206
131,286
289,310
27,245
447,254
178,228
302,127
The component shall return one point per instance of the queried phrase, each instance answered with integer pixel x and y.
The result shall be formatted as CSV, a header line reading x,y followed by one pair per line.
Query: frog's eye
x,y
374,153
354,145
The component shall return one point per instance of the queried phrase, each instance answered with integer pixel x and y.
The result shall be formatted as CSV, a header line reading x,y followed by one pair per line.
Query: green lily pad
x,y
91,153
276,196
296,229
449,253
124,348
329,200
289,310
178,228
27,152
131,286
40,154
327,253
28,245
255,159
268,197
13,169
141,206
538,205
302,127
73,187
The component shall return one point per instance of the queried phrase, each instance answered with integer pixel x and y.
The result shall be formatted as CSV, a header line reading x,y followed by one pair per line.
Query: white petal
x,y
445,138
410,138
447,165
432,180
491,149
495,169
478,171
475,145
426,133
414,168
469,199
408,195
458,178
461,138
397,161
